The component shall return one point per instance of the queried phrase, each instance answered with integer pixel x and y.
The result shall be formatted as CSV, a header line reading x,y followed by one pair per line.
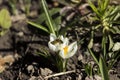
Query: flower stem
x,y
64,65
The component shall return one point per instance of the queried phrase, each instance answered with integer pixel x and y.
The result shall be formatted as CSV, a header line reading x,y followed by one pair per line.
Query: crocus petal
x,y
72,48
65,40
61,37
65,43
61,53
52,47
52,37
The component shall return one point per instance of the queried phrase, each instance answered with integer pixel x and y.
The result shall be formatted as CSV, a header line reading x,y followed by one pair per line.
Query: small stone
x,y
32,78
69,78
80,57
45,71
17,56
96,47
89,78
48,71
116,46
79,77
30,69
20,34
97,77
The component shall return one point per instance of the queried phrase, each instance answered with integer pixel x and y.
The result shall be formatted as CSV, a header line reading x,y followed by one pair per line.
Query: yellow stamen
x,y
65,50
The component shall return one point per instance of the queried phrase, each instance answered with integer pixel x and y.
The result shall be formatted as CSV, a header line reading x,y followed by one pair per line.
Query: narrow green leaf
x,y
99,3
103,69
88,69
106,2
102,7
57,20
104,39
90,45
94,57
117,30
50,22
94,8
38,26
43,18
5,19
114,58
111,43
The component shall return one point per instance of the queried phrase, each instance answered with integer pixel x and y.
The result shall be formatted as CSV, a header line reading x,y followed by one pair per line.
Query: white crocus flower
x,y
55,42
68,51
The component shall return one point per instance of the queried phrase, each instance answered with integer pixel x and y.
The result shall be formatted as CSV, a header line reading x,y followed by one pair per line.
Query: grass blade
x,y
94,57
50,22
111,43
38,26
94,8
103,69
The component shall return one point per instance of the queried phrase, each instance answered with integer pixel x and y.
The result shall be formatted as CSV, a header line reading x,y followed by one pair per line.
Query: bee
x,y
57,41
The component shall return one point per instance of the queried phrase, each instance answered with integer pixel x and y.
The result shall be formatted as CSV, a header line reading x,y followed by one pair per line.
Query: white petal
x,y
72,45
52,47
61,53
66,41
61,37
72,49
52,37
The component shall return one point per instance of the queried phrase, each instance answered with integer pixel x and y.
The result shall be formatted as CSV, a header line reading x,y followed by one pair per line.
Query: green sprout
x,y
107,16
13,4
27,6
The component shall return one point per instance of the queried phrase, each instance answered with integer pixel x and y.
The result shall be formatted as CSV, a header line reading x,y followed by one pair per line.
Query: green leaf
x,y
43,18
105,4
50,21
5,19
58,22
104,40
90,45
114,13
94,57
103,69
94,8
116,30
114,58
44,52
88,69
38,26
111,43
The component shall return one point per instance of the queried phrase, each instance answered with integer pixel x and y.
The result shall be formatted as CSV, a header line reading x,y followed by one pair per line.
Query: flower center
x,y
65,50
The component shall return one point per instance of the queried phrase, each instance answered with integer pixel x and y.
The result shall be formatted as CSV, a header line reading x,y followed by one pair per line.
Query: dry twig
x,y
59,74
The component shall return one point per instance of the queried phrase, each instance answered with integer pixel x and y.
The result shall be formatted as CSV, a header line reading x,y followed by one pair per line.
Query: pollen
x,y
65,50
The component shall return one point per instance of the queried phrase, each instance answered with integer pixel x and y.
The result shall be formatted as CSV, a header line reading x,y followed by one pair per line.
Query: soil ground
x,y
24,41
